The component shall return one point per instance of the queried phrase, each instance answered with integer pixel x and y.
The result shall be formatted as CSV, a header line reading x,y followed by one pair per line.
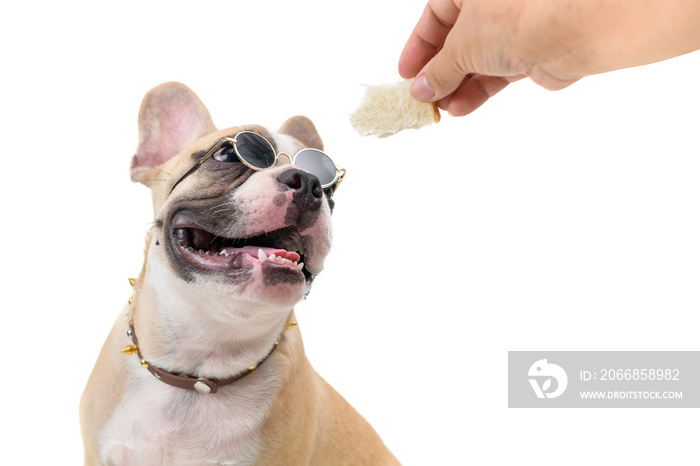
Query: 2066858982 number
x,y
639,374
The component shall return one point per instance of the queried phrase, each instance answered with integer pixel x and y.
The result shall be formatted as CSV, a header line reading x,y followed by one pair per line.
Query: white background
x,y
544,221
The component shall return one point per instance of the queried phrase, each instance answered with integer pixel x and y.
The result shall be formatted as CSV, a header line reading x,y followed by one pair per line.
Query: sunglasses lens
x,y
317,163
255,150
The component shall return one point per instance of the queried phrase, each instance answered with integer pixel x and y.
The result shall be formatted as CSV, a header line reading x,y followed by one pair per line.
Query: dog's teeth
x,y
223,253
278,259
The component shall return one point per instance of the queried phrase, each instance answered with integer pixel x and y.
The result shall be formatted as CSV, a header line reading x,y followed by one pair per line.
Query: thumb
x,y
443,74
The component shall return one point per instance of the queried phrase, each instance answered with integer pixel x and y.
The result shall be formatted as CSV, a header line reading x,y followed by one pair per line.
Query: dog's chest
x,y
159,424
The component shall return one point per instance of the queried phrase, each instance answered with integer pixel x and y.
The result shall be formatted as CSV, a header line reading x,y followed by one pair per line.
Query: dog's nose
x,y
303,182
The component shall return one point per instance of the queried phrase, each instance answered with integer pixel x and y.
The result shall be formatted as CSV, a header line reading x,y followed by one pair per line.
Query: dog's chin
x,y
270,266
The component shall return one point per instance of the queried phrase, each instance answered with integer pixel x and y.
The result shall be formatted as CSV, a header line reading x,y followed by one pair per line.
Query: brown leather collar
x,y
199,384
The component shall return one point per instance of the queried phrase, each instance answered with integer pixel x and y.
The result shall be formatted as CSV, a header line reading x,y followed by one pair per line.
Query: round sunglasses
x,y
256,152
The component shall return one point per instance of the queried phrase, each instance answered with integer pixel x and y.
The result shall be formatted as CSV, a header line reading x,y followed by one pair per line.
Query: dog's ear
x,y
303,130
171,118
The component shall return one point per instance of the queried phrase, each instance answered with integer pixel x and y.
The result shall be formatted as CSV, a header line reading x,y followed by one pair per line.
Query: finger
x,y
474,93
445,72
428,36
443,103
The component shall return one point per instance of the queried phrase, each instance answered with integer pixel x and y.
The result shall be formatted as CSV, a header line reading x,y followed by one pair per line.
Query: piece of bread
x,y
389,108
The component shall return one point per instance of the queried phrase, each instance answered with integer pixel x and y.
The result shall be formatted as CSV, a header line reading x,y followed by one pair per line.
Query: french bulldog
x,y
208,368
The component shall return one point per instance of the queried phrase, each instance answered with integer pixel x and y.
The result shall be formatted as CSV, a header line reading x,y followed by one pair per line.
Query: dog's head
x,y
260,236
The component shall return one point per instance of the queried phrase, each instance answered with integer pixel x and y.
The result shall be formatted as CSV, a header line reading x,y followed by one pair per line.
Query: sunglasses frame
x,y
333,185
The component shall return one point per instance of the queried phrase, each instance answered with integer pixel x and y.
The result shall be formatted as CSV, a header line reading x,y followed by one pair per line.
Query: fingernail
x,y
421,90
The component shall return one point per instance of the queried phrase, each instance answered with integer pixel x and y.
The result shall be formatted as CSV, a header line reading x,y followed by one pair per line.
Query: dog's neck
x,y
202,333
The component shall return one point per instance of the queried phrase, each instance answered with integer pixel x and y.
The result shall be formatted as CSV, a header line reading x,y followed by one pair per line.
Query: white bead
x,y
201,387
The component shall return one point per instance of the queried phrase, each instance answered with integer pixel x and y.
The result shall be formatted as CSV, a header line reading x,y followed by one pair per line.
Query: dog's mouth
x,y
280,251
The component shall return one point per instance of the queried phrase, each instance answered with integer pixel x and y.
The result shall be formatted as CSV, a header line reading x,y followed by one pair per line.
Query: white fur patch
x,y
284,144
157,424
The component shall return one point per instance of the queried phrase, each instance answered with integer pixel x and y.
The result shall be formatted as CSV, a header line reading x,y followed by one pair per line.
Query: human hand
x,y
464,52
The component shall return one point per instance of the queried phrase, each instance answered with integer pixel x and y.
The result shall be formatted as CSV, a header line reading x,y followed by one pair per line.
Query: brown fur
x,y
311,424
